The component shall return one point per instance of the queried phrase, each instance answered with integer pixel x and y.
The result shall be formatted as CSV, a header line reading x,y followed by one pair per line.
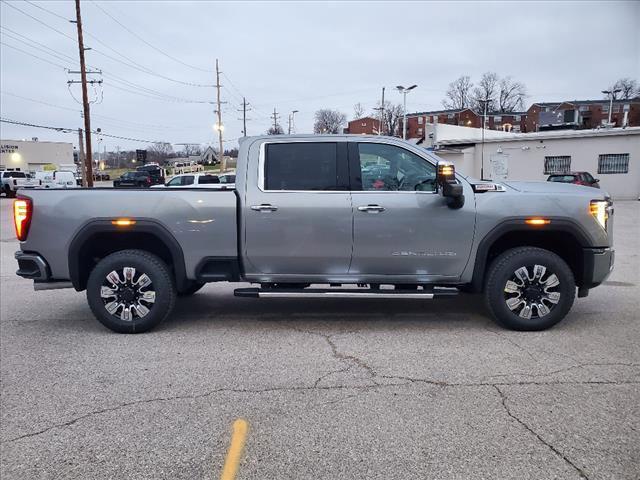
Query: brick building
x,y
363,126
581,114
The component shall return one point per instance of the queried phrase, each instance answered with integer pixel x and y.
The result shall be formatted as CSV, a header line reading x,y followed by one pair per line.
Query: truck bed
x,y
202,221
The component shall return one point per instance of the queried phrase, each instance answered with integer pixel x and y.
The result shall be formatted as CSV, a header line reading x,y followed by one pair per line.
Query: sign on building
x,y
141,156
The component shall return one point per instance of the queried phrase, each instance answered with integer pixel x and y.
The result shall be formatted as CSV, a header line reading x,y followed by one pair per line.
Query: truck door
x,y
402,226
297,212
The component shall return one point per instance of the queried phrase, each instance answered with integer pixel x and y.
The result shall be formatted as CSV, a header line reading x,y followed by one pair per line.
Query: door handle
x,y
371,208
265,207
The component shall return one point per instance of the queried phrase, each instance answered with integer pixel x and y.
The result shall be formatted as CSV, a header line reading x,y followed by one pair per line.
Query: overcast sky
x,y
293,56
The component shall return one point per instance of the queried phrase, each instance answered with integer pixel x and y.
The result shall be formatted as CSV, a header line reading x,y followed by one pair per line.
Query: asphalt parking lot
x,y
338,389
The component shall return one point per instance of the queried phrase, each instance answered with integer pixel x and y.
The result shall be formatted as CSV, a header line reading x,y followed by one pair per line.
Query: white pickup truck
x,y
13,180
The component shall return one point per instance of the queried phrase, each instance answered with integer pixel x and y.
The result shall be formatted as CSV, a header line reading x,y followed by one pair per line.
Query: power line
x,y
133,64
32,55
146,42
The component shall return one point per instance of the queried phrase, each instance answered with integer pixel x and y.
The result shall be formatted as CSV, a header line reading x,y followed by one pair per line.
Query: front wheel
x,y
131,291
529,288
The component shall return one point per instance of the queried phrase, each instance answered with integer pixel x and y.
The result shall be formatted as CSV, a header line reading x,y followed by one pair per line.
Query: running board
x,y
436,292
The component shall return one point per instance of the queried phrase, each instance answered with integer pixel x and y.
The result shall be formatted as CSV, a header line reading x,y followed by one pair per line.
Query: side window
x,y
390,168
175,182
187,180
301,166
208,179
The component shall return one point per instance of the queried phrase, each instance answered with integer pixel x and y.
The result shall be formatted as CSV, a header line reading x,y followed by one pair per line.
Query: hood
x,y
553,187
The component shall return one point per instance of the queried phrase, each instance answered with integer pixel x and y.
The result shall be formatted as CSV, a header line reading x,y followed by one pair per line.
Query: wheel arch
x,y
562,237
99,238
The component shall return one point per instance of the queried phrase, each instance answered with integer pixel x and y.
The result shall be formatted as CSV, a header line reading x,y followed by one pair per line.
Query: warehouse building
x,y
611,155
33,155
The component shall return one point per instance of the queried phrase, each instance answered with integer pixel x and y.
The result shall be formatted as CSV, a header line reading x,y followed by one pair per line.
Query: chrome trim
x,y
427,296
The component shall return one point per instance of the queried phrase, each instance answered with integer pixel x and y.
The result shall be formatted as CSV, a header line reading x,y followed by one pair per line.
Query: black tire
x,y
508,302
161,283
192,288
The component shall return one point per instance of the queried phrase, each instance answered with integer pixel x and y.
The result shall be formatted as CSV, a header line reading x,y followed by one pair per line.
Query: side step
x,y
435,292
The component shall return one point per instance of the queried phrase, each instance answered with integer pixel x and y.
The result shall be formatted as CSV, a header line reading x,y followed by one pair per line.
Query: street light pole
x,y
611,93
404,92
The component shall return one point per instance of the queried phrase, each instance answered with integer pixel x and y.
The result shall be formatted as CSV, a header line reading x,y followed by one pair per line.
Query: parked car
x,y
200,180
52,179
301,216
137,179
156,172
101,175
12,180
577,178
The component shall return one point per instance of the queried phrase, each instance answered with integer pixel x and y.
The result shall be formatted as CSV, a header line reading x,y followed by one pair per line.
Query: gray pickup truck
x,y
323,216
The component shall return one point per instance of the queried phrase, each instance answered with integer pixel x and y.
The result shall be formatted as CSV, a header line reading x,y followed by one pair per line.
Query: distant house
x,y
579,114
363,126
209,156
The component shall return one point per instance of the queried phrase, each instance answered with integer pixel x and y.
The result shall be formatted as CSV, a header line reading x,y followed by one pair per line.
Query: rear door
x,y
401,226
297,212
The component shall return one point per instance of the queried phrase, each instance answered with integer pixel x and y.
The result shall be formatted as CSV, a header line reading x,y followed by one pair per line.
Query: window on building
x,y
419,120
515,128
301,166
557,164
517,118
609,163
419,131
605,107
450,116
497,119
584,108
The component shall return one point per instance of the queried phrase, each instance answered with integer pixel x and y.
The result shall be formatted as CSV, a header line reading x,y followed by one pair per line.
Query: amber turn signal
x,y
537,221
123,222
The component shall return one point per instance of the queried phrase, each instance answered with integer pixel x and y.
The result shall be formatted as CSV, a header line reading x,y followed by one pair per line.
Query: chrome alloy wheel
x,y
530,294
126,295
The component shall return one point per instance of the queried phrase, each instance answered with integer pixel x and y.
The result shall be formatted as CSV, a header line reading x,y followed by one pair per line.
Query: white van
x,y
53,179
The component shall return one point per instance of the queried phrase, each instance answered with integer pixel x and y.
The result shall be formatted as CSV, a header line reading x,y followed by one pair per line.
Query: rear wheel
x,y
131,291
529,288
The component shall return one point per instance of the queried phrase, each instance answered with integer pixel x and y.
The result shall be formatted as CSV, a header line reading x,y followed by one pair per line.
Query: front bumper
x,y
598,264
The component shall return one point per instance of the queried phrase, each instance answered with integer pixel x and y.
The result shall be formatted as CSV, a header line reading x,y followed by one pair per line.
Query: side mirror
x,y
448,186
596,180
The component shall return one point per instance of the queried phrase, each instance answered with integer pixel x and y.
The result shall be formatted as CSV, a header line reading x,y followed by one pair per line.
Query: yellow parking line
x,y
238,437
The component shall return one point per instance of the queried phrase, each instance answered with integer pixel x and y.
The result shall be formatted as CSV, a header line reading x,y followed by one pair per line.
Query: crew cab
x,y
330,216
201,180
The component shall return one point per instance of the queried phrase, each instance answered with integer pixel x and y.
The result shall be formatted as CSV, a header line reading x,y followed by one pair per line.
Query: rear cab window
x,y
305,166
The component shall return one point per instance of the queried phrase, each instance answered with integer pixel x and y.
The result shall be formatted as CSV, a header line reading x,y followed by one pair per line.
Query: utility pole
x,y
244,115
223,162
85,100
83,170
381,129
275,121
485,102
292,124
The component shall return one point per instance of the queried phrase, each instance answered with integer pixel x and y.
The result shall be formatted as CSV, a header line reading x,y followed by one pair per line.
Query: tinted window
x,y
301,166
228,179
208,179
187,180
175,182
129,175
15,175
387,167
562,178
588,177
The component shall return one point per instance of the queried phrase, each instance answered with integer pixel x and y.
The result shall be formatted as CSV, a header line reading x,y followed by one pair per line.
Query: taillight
x,y
22,211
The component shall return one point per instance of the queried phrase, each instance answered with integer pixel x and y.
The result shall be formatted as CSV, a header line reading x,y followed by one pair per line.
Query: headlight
x,y
600,211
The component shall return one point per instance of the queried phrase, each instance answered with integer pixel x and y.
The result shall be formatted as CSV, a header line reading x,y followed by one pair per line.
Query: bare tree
x,y
275,130
191,150
159,152
486,91
629,89
511,95
328,121
459,93
392,118
358,111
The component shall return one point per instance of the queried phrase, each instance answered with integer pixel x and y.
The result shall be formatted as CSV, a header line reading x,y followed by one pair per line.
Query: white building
x,y
611,155
33,155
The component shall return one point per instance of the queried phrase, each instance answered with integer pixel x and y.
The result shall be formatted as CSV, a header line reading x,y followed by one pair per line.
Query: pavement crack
x,y
503,399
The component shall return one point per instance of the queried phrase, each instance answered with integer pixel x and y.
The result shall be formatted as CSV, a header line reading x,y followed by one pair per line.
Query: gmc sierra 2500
x,y
382,215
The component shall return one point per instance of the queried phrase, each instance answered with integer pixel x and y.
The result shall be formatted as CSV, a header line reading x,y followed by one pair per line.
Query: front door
x,y
402,227
298,218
